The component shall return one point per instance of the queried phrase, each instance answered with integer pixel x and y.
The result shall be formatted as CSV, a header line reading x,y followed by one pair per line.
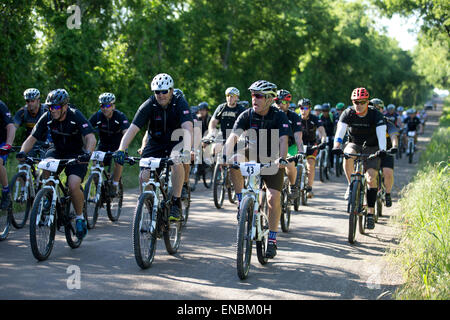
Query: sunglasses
x,y
258,95
282,102
161,91
55,107
106,106
304,108
360,102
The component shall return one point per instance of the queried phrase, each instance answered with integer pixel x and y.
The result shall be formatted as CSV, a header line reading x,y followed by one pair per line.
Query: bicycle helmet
x,y
326,106
399,109
162,81
203,105
318,108
340,106
57,96
304,102
31,94
360,93
283,95
410,111
377,102
232,91
264,87
390,107
106,98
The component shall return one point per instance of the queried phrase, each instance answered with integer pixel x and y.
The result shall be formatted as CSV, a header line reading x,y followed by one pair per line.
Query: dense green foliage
x,y
318,49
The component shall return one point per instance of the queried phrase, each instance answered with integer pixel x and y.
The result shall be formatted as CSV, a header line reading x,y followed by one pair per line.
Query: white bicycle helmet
x,y
232,91
106,98
31,94
162,81
264,87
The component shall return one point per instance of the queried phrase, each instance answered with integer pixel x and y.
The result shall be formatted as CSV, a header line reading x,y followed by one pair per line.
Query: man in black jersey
x,y
295,138
111,125
263,119
28,115
67,127
163,114
411,124
7,134
311,124
367,134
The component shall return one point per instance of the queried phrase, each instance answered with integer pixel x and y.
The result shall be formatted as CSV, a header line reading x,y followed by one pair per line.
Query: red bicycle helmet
x,y
360,93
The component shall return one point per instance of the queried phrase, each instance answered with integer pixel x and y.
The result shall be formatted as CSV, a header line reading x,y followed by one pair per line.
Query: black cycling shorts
x,y
72,169
388,162
368,164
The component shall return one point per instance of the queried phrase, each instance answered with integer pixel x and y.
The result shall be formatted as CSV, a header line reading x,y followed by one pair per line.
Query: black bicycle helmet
x,y
304,102
57,96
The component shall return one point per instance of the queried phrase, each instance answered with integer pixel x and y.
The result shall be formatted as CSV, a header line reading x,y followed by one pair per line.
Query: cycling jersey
x,y
67,134
5,119
295,124
411,124
109,130
363,129
227,116
24,117
392,117
162,122
328,124
309,128
205,123
273,120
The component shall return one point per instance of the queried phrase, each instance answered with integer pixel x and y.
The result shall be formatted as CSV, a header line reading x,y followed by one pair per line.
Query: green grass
x,y
423,251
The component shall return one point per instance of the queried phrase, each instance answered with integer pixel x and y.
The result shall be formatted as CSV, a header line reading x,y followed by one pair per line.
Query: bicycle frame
x,y
25,168
55,196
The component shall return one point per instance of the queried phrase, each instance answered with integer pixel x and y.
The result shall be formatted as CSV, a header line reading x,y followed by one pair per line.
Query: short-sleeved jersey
x,y
5,119
24,118
109,130
273,120
67,134
309,128
162,122
392,117
412,124
363,129
295,124
328,124
227,116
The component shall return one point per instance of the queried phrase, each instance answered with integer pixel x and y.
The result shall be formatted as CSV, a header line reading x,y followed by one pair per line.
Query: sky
x,y
403,29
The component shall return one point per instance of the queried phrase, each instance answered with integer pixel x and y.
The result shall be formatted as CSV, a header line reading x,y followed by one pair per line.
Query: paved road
x,y
314,259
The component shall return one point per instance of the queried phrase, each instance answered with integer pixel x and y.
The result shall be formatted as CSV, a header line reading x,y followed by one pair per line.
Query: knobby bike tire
x,y
185,205
5,222
208,176
362,218
353,207
172,232
261,246
297,183
91,213
218,186
40,252
19,219
285,218
244,242
114,212
70,228
142,227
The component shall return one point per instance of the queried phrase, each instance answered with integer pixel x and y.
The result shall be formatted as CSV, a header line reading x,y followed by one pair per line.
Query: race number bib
x,y
152,163
49,165
98,155
249,168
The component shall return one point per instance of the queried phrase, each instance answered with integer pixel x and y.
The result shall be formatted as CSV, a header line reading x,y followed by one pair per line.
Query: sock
x,y
5,189
239,196
273,236
371,197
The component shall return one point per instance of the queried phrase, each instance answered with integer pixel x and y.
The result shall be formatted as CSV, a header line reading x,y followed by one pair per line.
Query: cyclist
x,y
73,137
317,110
387,164
203,116
340,107
295,140
411,123
329,125
263,116
162,114
7,134
111,125
28,115
311,124
367,134
391,115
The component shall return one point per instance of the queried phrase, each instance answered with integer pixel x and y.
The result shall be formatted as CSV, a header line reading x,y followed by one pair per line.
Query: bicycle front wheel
x,y
218,186
114,205
353,210
208,175
21,202
285,218
144,232
244,240
42,225
92,200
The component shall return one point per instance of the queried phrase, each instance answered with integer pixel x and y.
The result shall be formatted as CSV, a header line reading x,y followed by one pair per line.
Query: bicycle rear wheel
x,y
114,205
70,226
244,241
20,206
144,232
42,225
208,175
185,205
5,223
353,209
92,202
218,186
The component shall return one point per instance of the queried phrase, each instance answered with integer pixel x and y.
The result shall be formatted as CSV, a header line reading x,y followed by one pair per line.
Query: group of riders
x,y
57,129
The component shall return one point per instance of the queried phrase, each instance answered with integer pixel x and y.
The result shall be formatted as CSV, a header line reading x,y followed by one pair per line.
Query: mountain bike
x,y
253,218
355,206
202,169
301,181
411,146
222,183
52,209
98,191
324,164
401,147
151,217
